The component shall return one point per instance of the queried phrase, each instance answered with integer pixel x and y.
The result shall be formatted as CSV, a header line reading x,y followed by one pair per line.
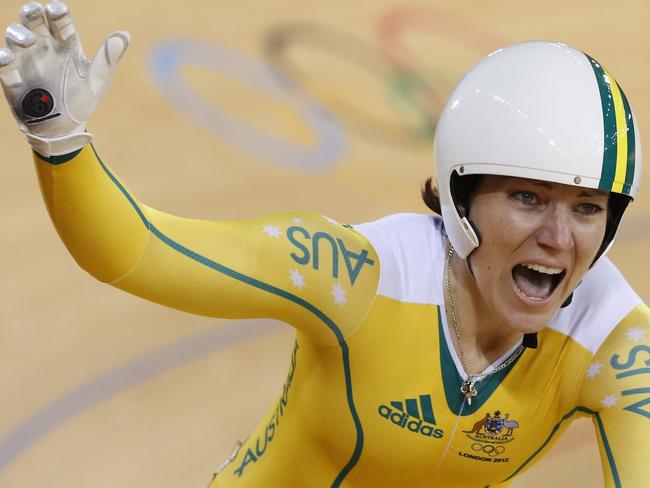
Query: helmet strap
x,y
469,267
568,301
468,259
530,340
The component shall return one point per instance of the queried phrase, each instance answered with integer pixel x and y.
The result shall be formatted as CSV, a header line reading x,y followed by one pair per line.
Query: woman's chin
x,y
522,319
526,314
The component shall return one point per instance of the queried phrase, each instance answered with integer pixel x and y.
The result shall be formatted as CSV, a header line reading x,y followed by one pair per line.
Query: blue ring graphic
x,y
169,56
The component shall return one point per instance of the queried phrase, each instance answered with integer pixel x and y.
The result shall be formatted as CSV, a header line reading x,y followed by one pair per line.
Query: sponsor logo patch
x,y
414,415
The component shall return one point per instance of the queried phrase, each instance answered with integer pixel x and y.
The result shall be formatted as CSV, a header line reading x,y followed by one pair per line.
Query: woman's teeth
x,y
542,269
535,281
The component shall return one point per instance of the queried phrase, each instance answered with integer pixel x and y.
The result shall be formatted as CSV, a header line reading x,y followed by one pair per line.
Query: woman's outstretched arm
x,y
300,268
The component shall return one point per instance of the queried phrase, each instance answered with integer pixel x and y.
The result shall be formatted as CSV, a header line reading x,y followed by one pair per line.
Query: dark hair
x,y
431,196
462,189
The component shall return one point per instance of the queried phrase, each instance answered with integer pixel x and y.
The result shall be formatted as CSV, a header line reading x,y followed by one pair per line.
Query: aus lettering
x,y
637,362
309,247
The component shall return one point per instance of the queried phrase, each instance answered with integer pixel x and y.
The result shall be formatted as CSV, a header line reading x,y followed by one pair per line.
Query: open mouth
x,y
536,282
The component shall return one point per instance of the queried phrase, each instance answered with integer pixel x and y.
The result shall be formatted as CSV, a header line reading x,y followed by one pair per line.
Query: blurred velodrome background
x,y
234,109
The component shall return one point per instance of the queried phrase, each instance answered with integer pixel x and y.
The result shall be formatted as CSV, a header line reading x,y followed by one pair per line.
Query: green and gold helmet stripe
x,y
629,172
617,172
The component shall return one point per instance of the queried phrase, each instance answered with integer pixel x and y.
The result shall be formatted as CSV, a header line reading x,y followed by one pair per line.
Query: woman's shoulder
x,y
411,250
410,222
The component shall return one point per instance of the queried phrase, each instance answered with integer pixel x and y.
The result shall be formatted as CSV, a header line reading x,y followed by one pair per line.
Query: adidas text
x,y
403,420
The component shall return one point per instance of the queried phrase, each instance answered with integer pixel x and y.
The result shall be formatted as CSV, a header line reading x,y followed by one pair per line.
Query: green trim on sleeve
x,y
608,451
603,437
63,158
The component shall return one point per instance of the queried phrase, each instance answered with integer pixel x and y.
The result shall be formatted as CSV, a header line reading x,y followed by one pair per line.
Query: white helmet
x,y
539,110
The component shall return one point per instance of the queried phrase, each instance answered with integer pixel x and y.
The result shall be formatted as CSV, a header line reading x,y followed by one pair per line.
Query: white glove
x,y
50,85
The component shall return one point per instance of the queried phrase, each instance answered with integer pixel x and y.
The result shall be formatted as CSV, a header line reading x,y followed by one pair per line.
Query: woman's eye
x,y
589,208
527,197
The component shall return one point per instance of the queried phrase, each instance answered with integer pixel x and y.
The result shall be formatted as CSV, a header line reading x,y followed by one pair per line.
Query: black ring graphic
x,y
38,103
277,48
488,449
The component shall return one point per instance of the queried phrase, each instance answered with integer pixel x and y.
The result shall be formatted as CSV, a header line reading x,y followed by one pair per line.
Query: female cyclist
x,y
429,351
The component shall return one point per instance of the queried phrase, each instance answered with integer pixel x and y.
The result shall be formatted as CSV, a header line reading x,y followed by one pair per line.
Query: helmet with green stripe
x,y
540,110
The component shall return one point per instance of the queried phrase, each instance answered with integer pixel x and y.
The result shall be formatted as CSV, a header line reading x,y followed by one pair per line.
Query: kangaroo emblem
x,y
478,425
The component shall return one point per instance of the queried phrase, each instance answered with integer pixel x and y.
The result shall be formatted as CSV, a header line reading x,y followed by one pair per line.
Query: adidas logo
x,y
418,416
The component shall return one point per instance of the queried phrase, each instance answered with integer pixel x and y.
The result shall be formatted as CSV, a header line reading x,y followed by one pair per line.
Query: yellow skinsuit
x,y
372,396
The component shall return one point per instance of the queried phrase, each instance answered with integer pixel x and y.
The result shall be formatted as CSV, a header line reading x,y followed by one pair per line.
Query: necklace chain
x,y
468,388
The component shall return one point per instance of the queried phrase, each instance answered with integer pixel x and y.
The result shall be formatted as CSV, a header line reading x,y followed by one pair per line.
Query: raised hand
x,y
50,85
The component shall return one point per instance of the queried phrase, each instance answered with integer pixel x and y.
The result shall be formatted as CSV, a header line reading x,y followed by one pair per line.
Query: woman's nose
x,y
556,229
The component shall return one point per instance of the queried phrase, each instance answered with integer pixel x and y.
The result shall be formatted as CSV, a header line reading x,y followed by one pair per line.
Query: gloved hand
x,y
50,85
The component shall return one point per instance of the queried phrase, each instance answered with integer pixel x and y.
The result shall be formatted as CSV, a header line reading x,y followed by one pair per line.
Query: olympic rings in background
x,y
278,45
421,89
488,449
397,22
168,58
414,95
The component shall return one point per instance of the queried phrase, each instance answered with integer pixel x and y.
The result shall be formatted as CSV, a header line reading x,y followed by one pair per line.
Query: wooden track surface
x,y
101,389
